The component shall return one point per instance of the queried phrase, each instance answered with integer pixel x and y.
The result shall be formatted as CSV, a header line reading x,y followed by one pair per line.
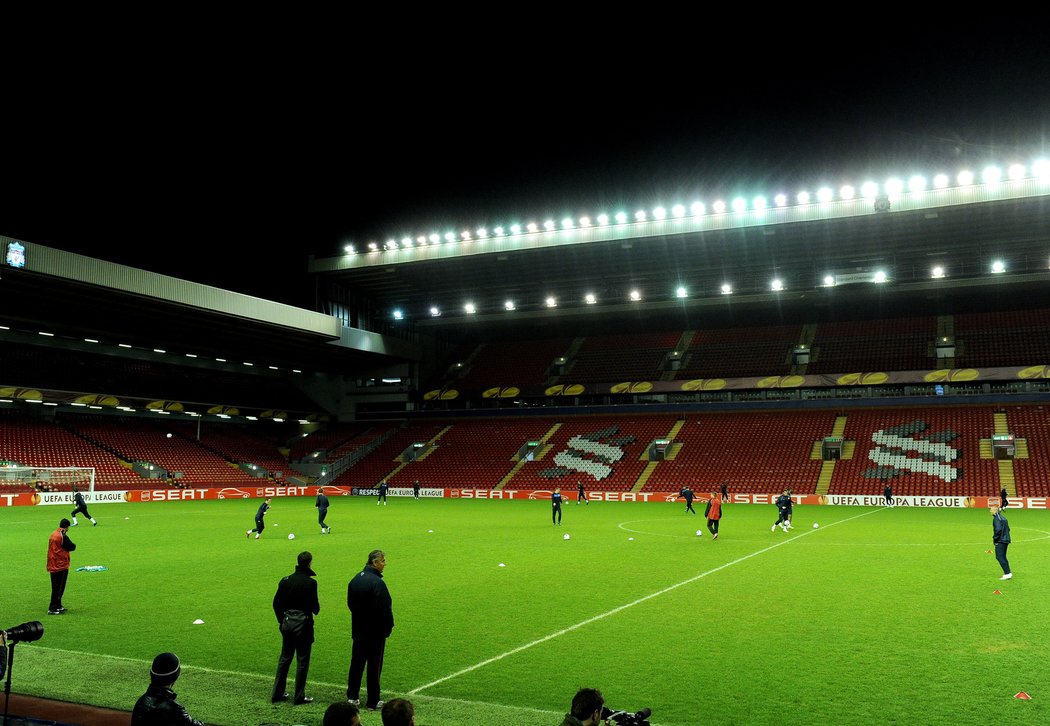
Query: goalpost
x,y
50,478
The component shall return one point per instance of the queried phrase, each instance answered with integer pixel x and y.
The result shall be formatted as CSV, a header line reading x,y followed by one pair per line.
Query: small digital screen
x,y
938,390
16,255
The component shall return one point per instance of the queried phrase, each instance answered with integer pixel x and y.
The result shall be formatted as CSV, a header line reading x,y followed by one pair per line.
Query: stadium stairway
x,y
647,472
430,447
544,447
827,469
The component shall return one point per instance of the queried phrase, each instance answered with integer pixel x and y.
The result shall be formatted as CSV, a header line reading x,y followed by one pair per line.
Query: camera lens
x,y
26,632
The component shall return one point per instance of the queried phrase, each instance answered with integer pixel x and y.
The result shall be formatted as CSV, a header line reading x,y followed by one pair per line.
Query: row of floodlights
x,y
869,191
776,285
159,351
129,409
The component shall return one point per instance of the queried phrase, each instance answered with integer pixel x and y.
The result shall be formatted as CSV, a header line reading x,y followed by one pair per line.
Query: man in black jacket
x,y
157,706
1000,538
372,620
322,510
295,604
687,494
81,507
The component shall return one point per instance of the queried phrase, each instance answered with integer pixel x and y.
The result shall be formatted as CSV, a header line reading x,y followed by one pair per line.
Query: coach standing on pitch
x,y
295,604
372,620
58,548
1000,538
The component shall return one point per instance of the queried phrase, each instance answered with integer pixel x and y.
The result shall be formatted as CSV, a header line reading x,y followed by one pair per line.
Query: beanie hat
x,y
165,668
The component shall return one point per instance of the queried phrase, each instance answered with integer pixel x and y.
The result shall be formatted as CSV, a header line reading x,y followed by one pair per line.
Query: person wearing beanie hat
x,y
157,706
58,548
294,604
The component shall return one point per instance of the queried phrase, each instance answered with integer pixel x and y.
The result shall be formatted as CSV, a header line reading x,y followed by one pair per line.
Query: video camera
x,y
24,633
623,718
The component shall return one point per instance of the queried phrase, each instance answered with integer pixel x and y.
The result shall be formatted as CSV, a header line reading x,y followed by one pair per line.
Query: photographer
x,y
586,708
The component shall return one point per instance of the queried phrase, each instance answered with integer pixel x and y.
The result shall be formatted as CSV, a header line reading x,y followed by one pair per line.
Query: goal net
x,y
48,478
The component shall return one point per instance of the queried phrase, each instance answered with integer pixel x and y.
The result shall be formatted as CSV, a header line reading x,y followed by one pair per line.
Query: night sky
x,y
231,169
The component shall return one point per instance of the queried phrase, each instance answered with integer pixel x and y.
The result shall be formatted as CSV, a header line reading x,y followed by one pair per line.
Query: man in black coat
x,y
295,604
1000,538
372,620
687,494
322,510
157,706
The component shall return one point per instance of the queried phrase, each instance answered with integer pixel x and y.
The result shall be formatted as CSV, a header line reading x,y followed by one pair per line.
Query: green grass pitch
x,y
879,616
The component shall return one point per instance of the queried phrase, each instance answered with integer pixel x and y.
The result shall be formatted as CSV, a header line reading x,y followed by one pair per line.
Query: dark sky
x,y
232,167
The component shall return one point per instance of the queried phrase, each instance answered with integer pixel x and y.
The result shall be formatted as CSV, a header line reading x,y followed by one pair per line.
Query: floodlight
x,y
759,203
829,281
549,225
639,216
802,198
869,190
498,231
739,205
123,345
450,237
659,213
515,229
678,211
937,272
635,295
1016,172
825,195
391,244
847,192
421,240
509,305
155,350
603,219
349,249
894,187
998,266
991,175
273,368
917,184
482,233
469,309
92,340
621,217
697,208
532,227
880,276
776,285
940,181
727,289
434,238
681,292
220,360
1041,169
585,221
567,223
965,178
248,364
406,241
590,299
398,315
551,302
296,370
780,200
435,311
373,246
719,207
465,235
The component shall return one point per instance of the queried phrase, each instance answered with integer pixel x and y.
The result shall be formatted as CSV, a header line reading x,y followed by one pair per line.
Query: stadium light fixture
x,y
465,235
123,345
998,266
90,340
435,311
296,370
879,276
739,205
640,215
450,237
621,217
391,244
421,239
435,238
681,292
847,193
220,360
1016,172
678,211
940,181
893,187
780,200
802,198
659,213
567,224
159,350
917,184
697,208
585,221
1041,170
590,298
4,327
248,364
509,305
515,229
398,315
498,231
551,302
635,296
937,272
46,335
776,285
273,368
482,233
965,178
532,227
991,175
373,246
603,219
549,225
869,190
719,207
349,249
469,308
759,203
727,289
829,281
825,195
406,241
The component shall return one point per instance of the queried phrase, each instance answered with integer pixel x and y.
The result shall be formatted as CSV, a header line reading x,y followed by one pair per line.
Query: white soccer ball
x,y
566,536
815,525
291,536
699,533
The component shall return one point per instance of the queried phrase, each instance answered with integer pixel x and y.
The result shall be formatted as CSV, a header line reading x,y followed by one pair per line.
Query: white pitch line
x,y
621,608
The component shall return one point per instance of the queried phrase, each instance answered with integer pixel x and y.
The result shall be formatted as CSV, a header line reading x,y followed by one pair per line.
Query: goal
x,y
49,478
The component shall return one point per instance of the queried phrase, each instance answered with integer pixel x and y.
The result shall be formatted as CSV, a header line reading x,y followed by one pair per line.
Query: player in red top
x,y
713,513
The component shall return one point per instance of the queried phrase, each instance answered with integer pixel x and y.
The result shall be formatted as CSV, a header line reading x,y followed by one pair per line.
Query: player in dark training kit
x,y
383,486
556,507
783,503
581,496
81,507
322,510
687,494
260,525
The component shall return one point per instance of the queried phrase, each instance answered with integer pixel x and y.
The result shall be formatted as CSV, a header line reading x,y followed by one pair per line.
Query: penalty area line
x,y
625,606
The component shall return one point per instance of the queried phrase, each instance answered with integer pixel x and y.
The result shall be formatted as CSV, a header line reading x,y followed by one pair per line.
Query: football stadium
x,y
314,405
